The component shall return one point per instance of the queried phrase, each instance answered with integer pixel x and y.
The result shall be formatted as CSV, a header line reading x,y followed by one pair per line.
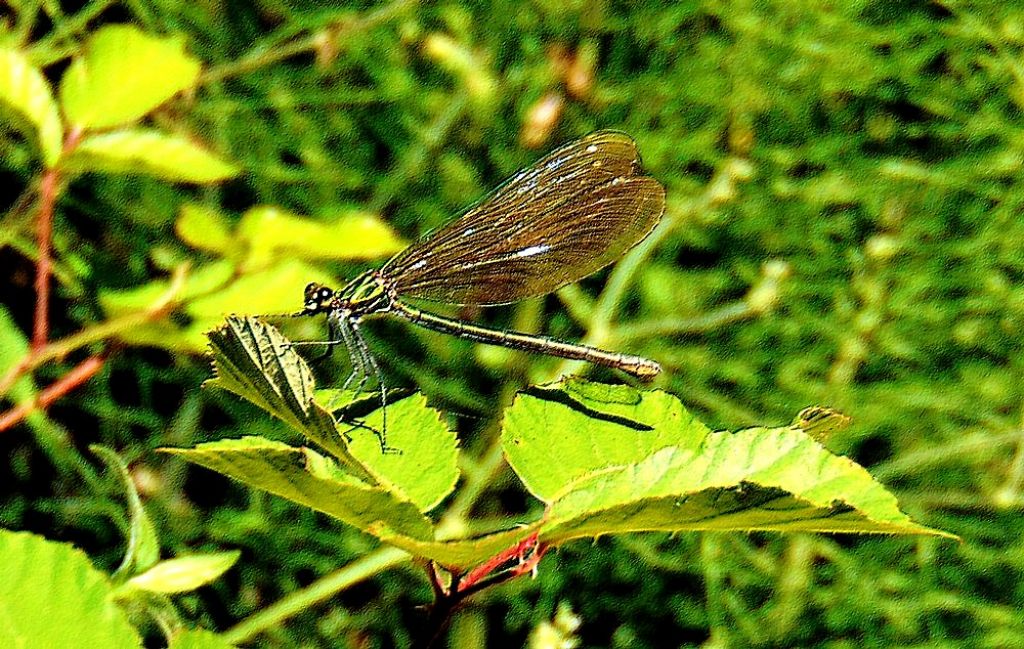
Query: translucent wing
x,y
569,215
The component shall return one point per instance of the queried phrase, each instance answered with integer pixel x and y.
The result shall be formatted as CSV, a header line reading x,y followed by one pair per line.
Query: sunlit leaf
x,y
198,639
123,75
607,462
306,477
425,468
25,91
465,552
52,596
13,348
313,480
550,448
182,574
208,294
204,228
274,289
151,152
273,233
253,360
199,281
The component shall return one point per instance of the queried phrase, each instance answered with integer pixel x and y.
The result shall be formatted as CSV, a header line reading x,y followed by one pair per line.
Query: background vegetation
x,y
844,210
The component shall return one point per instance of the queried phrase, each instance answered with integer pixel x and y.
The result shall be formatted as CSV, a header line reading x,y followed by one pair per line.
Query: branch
x,y
44,235
76,377
518,560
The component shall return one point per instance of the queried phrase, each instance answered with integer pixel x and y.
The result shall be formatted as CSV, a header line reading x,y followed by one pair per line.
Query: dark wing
x,y
572,213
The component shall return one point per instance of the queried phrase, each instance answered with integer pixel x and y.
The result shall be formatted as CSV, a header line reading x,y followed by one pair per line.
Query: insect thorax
x,y
368,293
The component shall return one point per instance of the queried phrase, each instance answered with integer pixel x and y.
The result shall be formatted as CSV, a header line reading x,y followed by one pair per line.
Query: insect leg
x,y
329,348
358,365
364,349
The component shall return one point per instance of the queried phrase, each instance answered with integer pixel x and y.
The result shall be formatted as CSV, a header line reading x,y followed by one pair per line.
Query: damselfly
x,y
570,214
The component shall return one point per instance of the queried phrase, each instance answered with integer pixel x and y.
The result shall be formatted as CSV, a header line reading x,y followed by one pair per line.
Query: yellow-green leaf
x,y
426,468
182,574
24,90
198,639
272,233
204,228
304,476
614,460
152,152
13,348
124,74
52,596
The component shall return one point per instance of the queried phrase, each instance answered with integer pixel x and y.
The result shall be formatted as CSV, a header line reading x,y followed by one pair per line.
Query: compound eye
x,y
325,293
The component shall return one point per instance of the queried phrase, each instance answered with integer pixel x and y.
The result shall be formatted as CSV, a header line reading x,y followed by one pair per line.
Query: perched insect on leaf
x,y
567,216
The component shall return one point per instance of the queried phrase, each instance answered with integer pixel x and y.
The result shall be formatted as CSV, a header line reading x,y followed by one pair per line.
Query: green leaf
x,y
355,235
143,545
425,469
310,479
184,574
204,280
204,228
382,494
275,289
147,151
253,360
163,332
14,348
24,90
198,639
610,426
51,596
208,294
601,473
123,75
463,553
306,477
313,480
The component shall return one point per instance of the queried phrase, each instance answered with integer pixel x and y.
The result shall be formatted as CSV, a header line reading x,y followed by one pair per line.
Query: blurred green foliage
x,y
869,152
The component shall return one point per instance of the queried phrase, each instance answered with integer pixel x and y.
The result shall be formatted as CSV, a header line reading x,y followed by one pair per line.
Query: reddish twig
x,y
76,377
44,235
521,558
97,333
507,564
44,230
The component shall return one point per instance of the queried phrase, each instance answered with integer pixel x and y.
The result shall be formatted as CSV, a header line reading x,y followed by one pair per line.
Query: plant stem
x,y
73,379
319,591
260,59
102,331
53,47
44,235
44,232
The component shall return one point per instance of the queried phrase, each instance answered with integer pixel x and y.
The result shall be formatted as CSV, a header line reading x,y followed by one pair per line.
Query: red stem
x,y
520,559
524,557
44,235
76,377
44,230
